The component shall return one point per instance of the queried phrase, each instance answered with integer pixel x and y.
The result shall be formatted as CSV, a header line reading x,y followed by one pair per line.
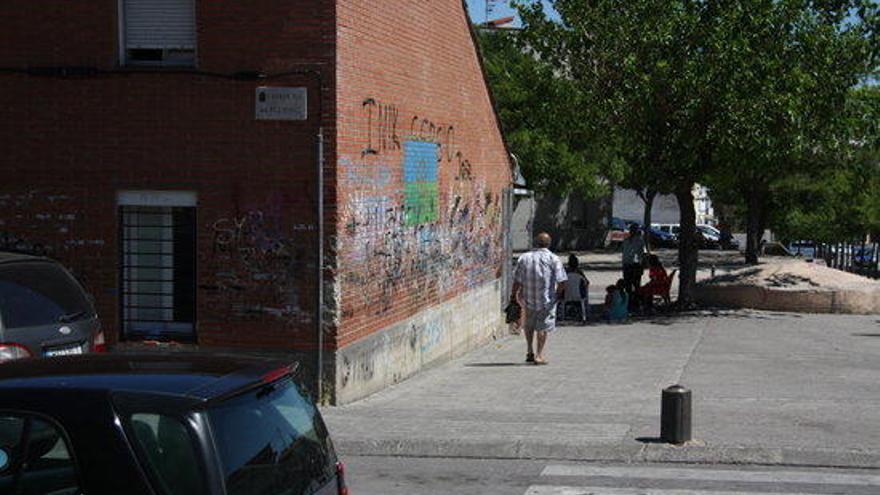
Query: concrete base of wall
x,y
432,337
797,301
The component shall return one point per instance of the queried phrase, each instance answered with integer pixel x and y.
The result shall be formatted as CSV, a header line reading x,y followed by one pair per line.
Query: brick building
x,y
168,151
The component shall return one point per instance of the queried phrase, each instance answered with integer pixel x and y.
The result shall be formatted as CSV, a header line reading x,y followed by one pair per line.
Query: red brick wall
x,y
409,72
69,145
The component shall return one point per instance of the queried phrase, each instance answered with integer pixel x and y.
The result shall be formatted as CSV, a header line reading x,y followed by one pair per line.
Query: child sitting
x,y
616,302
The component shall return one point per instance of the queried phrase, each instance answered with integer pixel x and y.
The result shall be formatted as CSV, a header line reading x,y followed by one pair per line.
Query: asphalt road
x,y
435,476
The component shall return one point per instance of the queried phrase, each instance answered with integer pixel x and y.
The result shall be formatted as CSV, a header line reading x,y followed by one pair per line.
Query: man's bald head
x,y
543,240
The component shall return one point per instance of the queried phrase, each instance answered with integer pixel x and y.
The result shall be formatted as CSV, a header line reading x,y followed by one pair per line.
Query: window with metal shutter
x,y
159,31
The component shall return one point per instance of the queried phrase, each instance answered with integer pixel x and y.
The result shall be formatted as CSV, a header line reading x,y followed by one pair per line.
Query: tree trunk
x,y
648,198
688,254
754,226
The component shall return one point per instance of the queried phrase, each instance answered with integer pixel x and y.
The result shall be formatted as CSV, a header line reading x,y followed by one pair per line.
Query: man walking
x,y
633,253
538,283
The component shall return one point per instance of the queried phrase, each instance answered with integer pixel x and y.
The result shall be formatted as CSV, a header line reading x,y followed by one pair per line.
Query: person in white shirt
x,y
633,253
538,284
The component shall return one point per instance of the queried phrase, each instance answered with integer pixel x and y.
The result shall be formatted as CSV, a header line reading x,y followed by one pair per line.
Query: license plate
x,y
63,351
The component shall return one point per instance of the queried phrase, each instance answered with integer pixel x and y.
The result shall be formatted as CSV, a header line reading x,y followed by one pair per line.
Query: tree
x,y
742,92
652,72
785,118
559,148
842,200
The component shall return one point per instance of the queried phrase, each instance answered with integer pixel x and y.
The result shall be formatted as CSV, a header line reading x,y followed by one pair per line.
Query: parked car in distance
x,y
659,238
617,232
711,239
804,248
44,311
669,228
863,257
180,424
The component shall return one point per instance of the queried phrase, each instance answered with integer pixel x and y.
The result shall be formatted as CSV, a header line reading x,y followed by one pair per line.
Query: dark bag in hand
x,y
513,311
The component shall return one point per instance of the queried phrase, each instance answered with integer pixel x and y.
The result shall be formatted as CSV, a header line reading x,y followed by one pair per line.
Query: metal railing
x,y
856,257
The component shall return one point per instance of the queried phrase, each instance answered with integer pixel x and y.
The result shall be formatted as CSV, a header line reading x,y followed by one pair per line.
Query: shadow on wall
x,y
575,223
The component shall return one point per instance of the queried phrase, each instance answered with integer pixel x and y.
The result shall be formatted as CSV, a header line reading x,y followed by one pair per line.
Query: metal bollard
x,y
675,415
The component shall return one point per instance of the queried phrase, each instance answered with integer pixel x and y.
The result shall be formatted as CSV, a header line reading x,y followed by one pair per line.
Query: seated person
x,y
658,281
574,267
616,302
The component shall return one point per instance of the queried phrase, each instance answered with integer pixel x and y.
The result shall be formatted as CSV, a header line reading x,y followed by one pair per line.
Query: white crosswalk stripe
x,y
665,473
600,490
692,475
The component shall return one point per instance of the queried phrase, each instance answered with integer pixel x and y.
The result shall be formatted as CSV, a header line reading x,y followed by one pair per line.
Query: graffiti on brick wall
x,y
47,223
258,267
420,182
444,135
10,241
381,127
403,233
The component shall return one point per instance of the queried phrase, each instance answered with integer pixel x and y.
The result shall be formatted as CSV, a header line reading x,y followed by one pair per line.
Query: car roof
x,y
15,257
197,376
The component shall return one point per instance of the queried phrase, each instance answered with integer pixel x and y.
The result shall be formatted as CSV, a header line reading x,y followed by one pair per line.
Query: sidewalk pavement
x,y
768,388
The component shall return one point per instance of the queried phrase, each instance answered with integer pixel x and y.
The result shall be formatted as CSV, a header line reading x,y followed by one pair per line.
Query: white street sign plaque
x,y
278,103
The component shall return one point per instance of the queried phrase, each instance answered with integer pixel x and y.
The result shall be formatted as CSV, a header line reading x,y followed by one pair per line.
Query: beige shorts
x,y
543,320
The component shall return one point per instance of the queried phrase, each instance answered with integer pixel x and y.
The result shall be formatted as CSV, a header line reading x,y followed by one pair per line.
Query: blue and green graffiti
x,y
420,181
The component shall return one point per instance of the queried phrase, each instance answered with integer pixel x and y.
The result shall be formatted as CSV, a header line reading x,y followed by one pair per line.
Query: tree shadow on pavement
x,y
672,317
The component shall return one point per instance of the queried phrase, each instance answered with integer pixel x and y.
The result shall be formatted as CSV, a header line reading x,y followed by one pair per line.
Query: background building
x,y
168,152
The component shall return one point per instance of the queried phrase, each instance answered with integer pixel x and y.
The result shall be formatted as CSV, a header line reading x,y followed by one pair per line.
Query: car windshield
x,y
39,293
272,442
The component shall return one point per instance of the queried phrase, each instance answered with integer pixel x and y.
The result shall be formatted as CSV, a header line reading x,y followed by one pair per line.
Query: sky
x,y
477,9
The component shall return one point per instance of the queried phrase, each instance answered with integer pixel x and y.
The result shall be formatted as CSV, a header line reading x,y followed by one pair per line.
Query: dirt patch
x,y
793,285
795,275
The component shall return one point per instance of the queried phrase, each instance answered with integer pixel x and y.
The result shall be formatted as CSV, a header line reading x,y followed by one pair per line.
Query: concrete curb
x,y
858,302
692,453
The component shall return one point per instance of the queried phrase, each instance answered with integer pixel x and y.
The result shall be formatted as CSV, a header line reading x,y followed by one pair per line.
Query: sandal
x,y
530,357
540,361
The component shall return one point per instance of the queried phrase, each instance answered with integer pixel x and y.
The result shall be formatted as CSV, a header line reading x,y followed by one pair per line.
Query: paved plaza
x,y
768,388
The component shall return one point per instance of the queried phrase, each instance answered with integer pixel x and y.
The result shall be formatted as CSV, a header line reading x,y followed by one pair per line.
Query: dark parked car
x,y
863,257
660,238
177,424
44,311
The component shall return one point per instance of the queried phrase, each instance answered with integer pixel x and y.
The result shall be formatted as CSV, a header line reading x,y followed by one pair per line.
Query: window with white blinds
x,y
158,32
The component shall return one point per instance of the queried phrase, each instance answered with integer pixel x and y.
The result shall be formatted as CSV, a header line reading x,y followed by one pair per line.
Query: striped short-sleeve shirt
x,y
539,272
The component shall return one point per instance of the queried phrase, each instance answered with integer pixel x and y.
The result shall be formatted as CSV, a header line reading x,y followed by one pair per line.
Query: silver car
x,y
44,311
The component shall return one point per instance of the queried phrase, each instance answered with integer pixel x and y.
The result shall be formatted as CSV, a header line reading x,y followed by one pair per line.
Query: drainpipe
x,y
319,303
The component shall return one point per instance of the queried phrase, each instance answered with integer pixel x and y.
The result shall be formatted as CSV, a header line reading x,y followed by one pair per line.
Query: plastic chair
x,y
663,292
573,294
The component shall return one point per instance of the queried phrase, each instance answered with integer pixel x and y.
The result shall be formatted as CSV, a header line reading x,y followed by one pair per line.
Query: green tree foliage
x,y
545,122
652,72
742,94
838,199
783,131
